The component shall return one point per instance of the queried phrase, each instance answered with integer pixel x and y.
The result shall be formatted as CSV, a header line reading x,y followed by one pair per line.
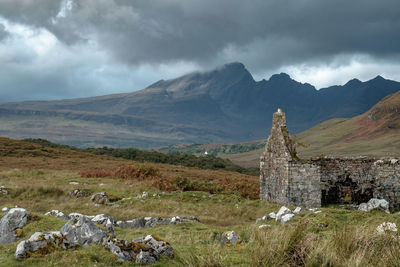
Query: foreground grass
x,y
346,237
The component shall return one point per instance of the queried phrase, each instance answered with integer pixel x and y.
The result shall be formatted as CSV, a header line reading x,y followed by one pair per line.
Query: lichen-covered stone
x,y
15,219
142,250
230,239
100,198
40,244
82,231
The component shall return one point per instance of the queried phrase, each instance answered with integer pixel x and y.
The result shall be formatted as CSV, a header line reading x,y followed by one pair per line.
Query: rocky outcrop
x,y
143,250
81,231
137,223
11,225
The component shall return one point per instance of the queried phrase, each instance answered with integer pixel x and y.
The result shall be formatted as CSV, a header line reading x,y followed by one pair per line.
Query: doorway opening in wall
x,y
346,191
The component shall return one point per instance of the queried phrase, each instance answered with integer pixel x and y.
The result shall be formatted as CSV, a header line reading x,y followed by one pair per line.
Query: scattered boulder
x,y
375,203
100,198
272,215
263,226
282,211
82,231
286,218
57,214
297,210
231,239
3,190
145,194
73,183
77,193
40,244
11,225
5,209
386,227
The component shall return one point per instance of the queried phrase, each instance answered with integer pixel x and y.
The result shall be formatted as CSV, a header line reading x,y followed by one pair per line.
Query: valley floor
x,y
333,237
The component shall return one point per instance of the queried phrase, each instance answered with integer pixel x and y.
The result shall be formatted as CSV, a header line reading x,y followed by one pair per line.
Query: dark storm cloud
x,y
282,32
3,33
72,48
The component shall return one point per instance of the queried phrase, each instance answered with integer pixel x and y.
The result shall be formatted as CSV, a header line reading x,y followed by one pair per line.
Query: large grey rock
x,y
40,244
15,219
282,211
375,203
230,238
80,230
57,214
100,198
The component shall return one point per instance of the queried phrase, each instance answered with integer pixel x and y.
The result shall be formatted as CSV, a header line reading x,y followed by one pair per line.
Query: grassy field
x,y
39,182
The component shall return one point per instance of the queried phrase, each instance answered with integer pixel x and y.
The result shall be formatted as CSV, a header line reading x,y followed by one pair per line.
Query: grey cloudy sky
x,y
51,49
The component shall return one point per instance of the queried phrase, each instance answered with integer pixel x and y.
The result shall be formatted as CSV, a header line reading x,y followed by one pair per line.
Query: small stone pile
x,y
11,225
81,231
375,203
284,215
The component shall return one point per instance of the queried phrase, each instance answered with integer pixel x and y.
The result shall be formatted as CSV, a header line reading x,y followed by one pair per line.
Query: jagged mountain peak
x,y
280,77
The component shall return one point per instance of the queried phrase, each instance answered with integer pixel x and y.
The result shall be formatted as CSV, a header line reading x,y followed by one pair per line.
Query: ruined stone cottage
x,y
286,179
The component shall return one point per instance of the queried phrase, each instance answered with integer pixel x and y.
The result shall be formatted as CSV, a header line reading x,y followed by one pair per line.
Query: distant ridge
x,y
374,133
222,105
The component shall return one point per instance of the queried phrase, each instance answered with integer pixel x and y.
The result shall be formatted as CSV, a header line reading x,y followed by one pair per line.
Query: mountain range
x,y
222,105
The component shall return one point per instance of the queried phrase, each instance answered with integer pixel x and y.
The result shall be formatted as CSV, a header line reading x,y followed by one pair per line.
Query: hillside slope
x,y
222,105
374,133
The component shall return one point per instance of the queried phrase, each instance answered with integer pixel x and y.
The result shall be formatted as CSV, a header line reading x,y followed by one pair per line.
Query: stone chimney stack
x,y
274,164
277,145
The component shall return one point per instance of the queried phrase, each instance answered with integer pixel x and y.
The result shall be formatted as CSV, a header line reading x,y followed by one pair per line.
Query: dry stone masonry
x,y
286,179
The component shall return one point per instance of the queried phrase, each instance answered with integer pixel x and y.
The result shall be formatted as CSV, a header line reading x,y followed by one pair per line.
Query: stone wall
x,y
287,180
358,180
304,184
